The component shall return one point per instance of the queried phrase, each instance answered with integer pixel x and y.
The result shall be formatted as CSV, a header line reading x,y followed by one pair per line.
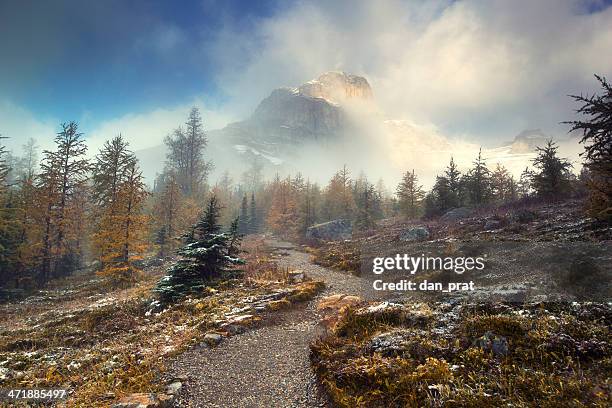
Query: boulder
x,y
331,231
524,216
456,214
414,234
334,307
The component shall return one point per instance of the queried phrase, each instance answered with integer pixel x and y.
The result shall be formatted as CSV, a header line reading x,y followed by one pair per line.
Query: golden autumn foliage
x,y
121,236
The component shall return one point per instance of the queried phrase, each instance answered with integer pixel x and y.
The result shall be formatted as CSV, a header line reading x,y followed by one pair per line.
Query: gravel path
x,y
268,366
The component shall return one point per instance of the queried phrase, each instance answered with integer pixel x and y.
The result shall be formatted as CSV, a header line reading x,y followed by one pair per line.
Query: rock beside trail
x,y
212,339
331,231
456,214
333,307
414,234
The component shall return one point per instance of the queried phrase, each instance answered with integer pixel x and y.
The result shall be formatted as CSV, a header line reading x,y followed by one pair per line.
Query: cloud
x,y
19,125
486,68
148,129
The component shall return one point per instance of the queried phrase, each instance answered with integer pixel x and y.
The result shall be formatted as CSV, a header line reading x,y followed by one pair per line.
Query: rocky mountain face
x,y
292,116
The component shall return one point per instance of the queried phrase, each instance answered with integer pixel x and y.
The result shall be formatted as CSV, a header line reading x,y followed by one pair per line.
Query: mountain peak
x,y
337,87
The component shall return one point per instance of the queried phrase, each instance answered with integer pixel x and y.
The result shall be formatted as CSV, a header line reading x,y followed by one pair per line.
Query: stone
x,y
389,344
212,339
456,214
4,373
333,308
414,234
138,400
331,231
492,225
337,302
245,319
296,276
174,388
494,343
525,216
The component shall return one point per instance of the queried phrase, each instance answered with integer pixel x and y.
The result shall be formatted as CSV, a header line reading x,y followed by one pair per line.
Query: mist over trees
x,y
66,212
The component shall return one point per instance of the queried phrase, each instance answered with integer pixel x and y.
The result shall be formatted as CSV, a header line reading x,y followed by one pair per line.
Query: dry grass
x,y
103,345
557,355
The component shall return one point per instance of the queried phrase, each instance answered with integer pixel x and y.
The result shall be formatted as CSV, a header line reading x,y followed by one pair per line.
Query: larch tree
x,y
110,170
186,154
283,214
63,176
121,237
339,200
168,206
410,195
596,131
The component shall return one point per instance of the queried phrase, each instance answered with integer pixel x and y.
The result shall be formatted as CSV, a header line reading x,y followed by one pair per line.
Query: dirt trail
x,y
268,366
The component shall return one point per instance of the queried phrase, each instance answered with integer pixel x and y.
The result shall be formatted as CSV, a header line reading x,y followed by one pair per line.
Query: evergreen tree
x,y
243,223
597,140
453,197
552,180
308,208
367,209
161,240
410,195
253,216
478,182
209,255
503,186
524,184
9,228
439,199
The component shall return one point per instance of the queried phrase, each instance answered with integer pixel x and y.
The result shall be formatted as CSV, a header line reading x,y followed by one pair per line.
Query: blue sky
x,y
96,60
481,70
